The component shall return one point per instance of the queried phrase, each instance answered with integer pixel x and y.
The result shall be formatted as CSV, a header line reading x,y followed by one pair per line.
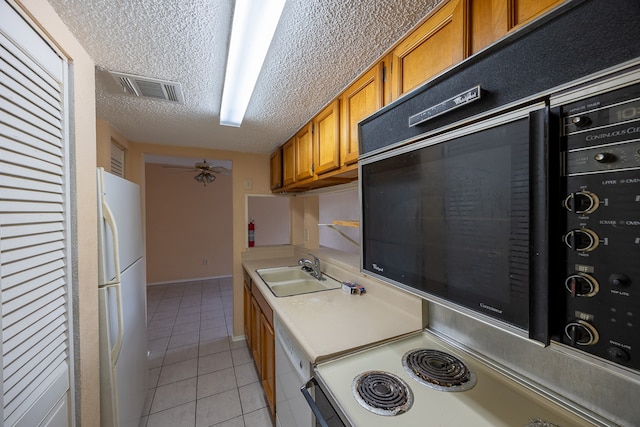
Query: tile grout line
x,y
186,295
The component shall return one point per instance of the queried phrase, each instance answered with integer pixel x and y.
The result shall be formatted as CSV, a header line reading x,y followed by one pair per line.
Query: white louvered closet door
x,y
34,242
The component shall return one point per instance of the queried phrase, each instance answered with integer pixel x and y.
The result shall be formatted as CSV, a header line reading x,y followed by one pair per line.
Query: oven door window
x,y
451,220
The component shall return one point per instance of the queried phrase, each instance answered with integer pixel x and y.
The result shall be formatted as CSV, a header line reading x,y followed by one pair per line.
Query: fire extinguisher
x,y
252,233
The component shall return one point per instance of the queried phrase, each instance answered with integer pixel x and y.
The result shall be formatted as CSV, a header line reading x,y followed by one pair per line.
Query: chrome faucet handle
x,y
316,267
316,260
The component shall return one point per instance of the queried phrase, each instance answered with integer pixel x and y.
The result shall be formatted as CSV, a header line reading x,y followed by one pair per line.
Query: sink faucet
x,y
313,267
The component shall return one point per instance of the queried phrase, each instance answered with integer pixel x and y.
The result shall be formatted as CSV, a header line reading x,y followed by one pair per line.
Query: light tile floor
x,y
198,376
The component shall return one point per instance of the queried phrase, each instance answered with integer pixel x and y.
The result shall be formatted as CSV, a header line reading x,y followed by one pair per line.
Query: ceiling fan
x,y
206,172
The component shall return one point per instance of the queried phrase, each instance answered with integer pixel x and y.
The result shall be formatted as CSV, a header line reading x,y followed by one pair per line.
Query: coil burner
x,y
438,370
382,393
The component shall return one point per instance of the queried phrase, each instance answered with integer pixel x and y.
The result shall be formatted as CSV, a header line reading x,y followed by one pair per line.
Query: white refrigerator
x,y
122,303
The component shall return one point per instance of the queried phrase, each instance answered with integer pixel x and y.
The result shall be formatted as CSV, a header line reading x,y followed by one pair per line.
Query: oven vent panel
x,y
146,87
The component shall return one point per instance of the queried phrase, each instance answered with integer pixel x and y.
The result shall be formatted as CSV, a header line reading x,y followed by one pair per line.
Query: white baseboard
x,y
236,338
169,282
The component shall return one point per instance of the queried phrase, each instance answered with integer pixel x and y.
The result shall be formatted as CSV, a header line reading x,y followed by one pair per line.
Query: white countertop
x,y
330,322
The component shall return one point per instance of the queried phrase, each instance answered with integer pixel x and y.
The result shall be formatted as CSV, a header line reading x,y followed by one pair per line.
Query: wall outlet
x,y
205,261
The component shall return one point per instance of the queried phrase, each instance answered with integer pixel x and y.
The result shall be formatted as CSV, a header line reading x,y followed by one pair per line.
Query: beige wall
x,y
271,215
84,202
188,225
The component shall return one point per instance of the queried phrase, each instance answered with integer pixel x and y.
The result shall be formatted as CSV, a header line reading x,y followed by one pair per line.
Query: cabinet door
x,y
362,98
268,362
247,313
439,43
288,162
326,131
304,153
493,19
522,11
255,332
276,169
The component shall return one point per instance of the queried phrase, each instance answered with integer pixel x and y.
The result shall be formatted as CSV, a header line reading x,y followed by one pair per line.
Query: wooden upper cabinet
x,y
326,132
303,141
440,42
362,98
276,169
493,19
288,163
522,11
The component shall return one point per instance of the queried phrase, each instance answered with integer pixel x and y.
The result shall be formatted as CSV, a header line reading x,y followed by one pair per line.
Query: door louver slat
x,y
22,68
33,226
12,134
27,229
15,315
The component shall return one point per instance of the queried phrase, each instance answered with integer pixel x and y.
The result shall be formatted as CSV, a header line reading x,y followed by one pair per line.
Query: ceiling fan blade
x,y
203,166
191,168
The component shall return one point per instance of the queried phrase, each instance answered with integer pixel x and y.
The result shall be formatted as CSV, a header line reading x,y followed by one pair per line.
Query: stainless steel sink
x,y
288,281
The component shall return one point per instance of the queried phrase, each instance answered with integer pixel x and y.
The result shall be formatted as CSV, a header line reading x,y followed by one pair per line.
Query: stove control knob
x,y
581,333
605,158
582,240
581,202
618,279
617,354
581,121
582,285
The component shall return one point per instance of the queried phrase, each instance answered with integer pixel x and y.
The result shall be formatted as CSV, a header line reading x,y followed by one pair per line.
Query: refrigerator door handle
x,y
108,217
115,351
115,283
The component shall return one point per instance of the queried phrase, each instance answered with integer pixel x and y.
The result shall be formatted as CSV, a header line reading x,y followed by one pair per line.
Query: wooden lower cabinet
x,y
260,336
268,368
247,311
255,331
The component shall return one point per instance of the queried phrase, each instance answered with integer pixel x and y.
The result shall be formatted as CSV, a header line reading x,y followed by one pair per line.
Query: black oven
x,y
323,407
600,220
461,218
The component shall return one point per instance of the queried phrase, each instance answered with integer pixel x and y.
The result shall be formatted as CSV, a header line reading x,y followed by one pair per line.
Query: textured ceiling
x,y
319,47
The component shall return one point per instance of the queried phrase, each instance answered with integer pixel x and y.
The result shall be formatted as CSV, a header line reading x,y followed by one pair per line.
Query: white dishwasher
x,y
292,372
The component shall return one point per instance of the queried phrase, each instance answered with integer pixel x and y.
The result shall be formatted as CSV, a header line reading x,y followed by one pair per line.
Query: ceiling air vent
x,y
146,87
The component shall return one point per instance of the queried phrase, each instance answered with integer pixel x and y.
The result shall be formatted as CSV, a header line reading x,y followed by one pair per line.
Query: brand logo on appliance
x,y
469,96
627,131
377,268
488,307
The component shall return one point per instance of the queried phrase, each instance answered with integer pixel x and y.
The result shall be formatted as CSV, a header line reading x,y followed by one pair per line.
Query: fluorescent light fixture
x,y
254,23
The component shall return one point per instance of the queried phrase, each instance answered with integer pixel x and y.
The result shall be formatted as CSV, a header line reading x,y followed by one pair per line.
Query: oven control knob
x,y
605,158
617,354
582,285
581,202
581,240
581,333
581,121
618,279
